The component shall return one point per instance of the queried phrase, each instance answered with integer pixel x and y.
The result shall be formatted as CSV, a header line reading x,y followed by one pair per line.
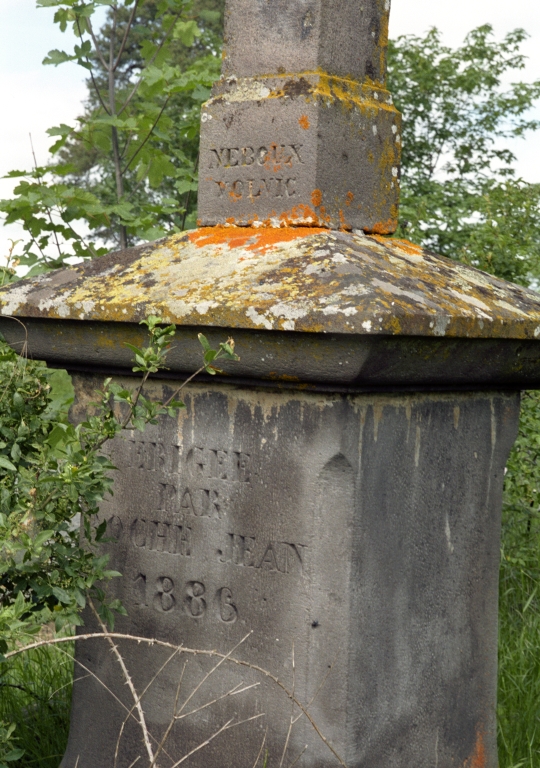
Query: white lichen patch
x,y
440,325
288,311
474,302
356,290
13,300
334,309
204,306
247,90
87,305
57,305
258,319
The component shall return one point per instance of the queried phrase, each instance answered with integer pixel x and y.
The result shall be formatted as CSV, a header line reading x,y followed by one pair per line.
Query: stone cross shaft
x,y
300,129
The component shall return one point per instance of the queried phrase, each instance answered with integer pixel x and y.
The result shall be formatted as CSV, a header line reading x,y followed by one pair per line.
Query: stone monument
x,y
321,524
301,129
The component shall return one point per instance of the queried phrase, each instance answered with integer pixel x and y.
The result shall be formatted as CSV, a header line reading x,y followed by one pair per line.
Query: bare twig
x,y
96,89
292,720
177,392
96,46
128,680
126,33
191,652
172,720
129,714
40,183
97,679
100,682
298,757
229,724
261,749
233,692
321,684
150,132
211,672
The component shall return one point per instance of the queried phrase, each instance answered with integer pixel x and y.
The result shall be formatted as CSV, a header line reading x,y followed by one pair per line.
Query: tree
x,y
193,48
460,195
125,168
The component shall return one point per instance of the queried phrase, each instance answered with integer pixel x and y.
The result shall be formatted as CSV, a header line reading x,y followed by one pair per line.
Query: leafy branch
x,y
52,470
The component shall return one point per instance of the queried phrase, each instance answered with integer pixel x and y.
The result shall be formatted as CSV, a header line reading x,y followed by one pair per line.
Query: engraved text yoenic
x,y
274,158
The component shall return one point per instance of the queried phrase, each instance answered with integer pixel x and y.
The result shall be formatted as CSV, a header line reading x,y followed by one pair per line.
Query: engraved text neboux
x,y
273,156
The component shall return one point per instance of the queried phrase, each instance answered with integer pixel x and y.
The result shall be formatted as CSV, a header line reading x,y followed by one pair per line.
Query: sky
x,y
34,97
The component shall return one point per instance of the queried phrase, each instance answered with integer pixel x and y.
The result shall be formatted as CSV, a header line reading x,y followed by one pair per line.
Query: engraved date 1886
x,y
164,596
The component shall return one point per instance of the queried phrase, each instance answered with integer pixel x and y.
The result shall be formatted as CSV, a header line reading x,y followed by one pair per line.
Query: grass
x,y
35,688
519,612
35,695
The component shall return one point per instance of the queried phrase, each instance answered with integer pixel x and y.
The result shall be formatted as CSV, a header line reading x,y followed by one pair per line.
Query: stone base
x,y
303,150
353,539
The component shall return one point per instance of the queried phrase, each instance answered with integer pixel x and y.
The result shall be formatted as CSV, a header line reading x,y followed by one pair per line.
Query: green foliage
x,y
52,470
519,660
126,171
460,196
52,473
35,697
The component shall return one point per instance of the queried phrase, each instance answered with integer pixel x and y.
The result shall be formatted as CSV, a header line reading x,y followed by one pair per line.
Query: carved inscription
x,y
197,499
248,552
267,157
161,537
194,599
234,466
148,455
257,188
273,158
211,463
195,502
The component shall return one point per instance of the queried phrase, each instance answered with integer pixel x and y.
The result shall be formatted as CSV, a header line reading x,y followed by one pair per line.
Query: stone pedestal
x,y
356,538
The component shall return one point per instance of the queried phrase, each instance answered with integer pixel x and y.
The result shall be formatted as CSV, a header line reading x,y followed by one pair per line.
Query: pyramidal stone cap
x,y
300,129
306,307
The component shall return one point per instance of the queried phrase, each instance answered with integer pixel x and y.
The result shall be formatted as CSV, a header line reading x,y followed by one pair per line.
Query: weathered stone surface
x,y
344,37
300,130
359,535
309,150
312,281
306,308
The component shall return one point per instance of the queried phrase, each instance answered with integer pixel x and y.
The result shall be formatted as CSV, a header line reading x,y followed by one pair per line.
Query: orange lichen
x,y
277,158
407,246
343,223
247,237
349,198
478,758
383,227
316,198
304,122
303,214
